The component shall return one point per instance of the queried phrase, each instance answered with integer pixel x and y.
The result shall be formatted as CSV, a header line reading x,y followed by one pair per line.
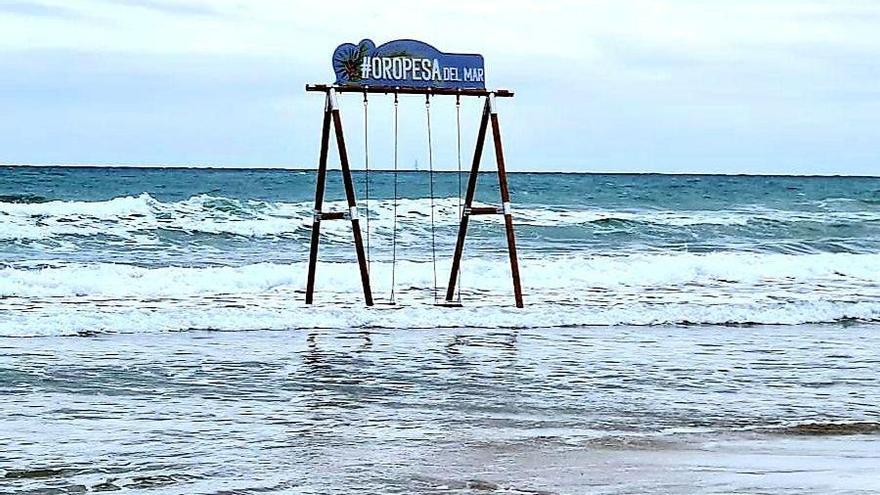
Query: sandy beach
x,y
580,410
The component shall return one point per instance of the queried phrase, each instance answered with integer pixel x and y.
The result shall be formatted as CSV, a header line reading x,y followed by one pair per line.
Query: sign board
x,y
406,63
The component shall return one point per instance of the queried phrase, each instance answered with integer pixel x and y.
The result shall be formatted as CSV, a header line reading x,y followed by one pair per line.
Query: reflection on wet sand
x,y
579,410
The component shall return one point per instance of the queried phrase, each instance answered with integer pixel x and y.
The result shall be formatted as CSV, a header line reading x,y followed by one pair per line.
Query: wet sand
x,y
579,410
732,464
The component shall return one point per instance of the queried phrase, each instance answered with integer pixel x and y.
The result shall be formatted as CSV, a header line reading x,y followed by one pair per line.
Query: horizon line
x,y
409,170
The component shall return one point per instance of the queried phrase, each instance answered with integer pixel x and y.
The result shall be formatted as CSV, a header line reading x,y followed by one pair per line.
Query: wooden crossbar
x,y
484,210
501,93
334,215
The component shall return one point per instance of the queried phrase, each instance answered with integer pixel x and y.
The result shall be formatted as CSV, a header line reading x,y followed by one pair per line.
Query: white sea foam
x,y
125,216
140,318
571,273
134,217
639,289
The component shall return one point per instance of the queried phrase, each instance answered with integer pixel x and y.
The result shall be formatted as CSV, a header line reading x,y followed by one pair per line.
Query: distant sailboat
x,y
416,165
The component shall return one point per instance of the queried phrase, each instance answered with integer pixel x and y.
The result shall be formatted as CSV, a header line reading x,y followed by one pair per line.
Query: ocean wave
x,y
575,273
128,215
643,289
133,217
92,319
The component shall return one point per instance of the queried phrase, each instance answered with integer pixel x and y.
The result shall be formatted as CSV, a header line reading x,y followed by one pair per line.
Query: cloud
x,y
631,85
38,9
173,7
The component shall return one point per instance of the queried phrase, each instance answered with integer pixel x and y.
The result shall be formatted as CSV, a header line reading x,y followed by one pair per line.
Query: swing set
x,y
409,67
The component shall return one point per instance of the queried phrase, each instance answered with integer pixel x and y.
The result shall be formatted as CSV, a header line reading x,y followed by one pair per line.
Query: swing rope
x,y
394,221
431,188
458,150
367,181
392,298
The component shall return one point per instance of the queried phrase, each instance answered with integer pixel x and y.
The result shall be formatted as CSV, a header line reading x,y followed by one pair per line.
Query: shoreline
x,y
593,410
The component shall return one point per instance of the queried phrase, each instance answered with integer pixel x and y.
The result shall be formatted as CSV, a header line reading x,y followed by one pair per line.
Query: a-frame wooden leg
x,y
319,202
505,202
468,200
331,112
352,202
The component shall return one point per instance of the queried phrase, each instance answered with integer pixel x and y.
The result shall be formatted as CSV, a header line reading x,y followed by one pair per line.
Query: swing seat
x,y
448,304
385,304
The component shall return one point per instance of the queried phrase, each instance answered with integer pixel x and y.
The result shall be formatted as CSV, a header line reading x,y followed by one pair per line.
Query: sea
x,y
681,334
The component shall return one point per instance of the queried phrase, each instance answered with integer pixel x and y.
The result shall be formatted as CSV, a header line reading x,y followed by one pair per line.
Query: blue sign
x,y
406,63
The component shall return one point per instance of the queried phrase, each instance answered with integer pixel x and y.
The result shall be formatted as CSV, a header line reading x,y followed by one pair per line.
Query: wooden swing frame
x,y
331,113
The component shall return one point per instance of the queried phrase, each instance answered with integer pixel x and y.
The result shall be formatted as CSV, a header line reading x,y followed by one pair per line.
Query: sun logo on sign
x,y
347,60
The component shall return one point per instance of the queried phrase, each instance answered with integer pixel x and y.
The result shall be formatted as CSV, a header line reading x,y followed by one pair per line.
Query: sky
x,y
668,86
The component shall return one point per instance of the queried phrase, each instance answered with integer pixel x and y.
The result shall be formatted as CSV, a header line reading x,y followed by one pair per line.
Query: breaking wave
x,y
581,275
34,218
140,264
640,289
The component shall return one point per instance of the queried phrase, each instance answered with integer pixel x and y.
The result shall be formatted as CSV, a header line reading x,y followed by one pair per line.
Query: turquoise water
x,y
87,250
595,213
682,334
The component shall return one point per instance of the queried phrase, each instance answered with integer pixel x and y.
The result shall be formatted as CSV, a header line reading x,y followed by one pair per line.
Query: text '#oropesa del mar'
x,y
417,69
